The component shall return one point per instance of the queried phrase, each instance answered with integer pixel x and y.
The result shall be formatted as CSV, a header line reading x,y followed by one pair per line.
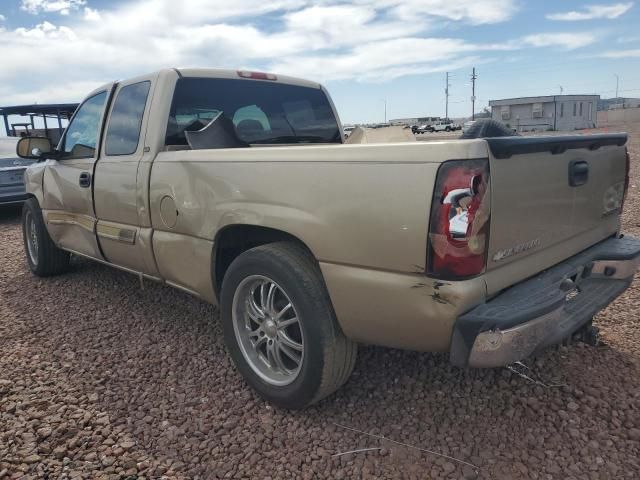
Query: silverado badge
x,y
515,250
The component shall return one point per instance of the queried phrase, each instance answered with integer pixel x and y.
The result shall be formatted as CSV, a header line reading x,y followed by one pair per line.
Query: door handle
x,y
578,173
85,180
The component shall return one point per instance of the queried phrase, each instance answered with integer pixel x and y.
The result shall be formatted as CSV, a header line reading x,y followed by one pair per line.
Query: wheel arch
x,y
34,181
232,240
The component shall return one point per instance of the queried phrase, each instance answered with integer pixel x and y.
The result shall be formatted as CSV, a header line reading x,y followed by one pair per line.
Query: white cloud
x,y
592,12
91,14
632,53
46,30
63,7
2,18
72,91
568,41
368,40
475,12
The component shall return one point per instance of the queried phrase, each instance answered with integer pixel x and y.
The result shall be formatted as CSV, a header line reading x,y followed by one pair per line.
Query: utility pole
x,y
473,94
385,111
617,83
446,97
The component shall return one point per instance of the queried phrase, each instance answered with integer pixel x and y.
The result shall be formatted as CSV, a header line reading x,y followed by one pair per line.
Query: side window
x,y
123,132
82,133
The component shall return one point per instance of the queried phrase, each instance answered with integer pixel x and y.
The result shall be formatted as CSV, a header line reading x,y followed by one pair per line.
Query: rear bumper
x,y
547,308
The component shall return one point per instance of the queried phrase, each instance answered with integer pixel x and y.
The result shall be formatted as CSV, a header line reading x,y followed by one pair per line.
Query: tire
x,y
43,257
448,129
327,357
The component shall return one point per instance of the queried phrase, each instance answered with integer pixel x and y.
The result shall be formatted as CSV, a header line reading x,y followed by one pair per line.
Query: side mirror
x,y
33,148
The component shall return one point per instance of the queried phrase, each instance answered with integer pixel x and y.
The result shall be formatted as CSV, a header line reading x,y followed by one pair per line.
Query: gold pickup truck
x,y
237,187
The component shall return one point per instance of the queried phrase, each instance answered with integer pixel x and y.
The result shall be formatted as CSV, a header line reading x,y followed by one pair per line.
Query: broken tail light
x,y
460,216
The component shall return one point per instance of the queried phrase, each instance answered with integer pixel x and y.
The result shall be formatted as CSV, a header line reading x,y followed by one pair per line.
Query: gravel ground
x,y
99,379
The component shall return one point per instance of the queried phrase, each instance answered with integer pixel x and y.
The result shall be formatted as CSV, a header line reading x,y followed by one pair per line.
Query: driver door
x,y
68,181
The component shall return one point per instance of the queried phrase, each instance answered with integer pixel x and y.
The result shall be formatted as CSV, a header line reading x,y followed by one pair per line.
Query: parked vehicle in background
x,y
12,167
422,129
347,130
236,187
444,126
467,125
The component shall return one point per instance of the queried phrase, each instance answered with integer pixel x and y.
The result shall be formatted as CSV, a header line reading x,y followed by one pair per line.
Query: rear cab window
x,y
261,112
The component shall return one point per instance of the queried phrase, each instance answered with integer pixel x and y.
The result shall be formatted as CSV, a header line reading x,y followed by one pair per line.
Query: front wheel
x,y
280,328
43,257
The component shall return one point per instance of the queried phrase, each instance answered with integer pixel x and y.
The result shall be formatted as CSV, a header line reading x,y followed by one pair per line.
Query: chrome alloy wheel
x,y
32,237
268,330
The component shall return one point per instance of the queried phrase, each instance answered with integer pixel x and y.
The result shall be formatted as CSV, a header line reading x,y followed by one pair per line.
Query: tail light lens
x,y
460,216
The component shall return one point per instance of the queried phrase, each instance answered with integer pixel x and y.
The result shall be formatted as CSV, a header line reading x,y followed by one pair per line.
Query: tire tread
x,y
339,353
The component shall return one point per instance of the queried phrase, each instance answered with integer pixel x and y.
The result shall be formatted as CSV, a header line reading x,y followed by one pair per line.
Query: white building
x,y
552,112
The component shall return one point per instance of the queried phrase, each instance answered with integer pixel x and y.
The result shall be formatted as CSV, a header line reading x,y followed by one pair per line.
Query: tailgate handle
x,y
578,173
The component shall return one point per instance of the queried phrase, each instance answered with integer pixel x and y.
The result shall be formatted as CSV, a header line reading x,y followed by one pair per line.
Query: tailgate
x,y
551,197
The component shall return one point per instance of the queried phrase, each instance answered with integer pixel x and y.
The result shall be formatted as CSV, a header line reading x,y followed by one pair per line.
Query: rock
x,y
103,420
448,467
127,445
60,452
33,458
43,432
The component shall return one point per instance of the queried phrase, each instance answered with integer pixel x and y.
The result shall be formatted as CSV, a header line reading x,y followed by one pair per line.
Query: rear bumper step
x,y
547,308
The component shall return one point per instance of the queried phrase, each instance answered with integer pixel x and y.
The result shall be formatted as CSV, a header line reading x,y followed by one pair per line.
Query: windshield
x,y
261,112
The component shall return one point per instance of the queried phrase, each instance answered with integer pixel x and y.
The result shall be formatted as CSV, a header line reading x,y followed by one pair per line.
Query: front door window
x,y
81,136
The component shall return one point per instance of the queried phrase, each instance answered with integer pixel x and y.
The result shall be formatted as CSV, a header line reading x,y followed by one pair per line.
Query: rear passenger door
x,y
123,227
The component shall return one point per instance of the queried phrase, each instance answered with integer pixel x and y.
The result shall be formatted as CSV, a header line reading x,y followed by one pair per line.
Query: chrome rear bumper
x,y
547,308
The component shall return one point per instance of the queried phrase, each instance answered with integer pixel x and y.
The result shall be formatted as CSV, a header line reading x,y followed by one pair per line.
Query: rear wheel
x,y
43,257
280,328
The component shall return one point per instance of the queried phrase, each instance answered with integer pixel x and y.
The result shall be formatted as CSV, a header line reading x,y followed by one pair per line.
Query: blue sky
x,y
365,51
